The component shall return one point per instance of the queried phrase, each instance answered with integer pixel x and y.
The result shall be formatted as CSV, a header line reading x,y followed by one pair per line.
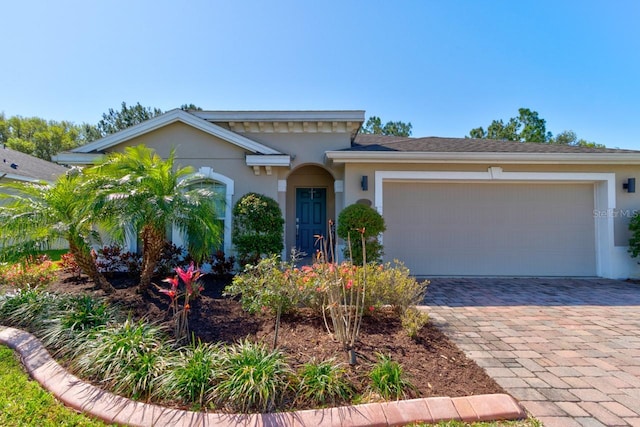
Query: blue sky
x,y
445,66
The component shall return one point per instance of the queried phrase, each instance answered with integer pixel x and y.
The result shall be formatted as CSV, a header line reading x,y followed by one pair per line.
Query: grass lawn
x,y
24,403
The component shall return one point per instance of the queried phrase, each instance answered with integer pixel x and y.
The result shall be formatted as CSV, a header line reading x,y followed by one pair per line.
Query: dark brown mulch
x,y
434,365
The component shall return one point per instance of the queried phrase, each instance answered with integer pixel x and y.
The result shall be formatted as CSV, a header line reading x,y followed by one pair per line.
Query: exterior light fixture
x,y
364,183
630,185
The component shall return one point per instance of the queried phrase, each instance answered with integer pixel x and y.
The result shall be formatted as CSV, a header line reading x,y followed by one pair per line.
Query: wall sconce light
x,y
630,185
364,183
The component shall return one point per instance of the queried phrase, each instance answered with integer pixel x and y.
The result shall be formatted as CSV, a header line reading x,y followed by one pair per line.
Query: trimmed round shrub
x,y
351,222
257,228
634,241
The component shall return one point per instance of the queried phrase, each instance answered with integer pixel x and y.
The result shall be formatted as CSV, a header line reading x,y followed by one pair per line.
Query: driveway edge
x,y
111,408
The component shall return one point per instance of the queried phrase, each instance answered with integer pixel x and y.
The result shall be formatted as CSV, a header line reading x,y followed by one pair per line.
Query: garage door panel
x,y
491,229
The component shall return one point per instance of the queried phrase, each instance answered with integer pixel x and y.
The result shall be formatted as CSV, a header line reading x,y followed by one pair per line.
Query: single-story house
x,y
452,206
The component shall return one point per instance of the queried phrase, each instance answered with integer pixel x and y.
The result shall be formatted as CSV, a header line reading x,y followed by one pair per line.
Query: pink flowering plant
x,y
188,292
343,288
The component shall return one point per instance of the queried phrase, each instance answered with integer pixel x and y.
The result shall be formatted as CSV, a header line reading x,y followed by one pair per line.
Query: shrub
x,y
251,379
391,284
129,357
111,259
257,227
190,373
269,285
634,240
388,379
221,265
27,274
172,256
413,320
322,383
69,265
343,288
368,222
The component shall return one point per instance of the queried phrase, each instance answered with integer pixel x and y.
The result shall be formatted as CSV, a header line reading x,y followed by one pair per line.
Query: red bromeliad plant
x,y
192,288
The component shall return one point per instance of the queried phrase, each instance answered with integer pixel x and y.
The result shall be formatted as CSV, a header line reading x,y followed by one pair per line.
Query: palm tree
x,y
36,214
143,192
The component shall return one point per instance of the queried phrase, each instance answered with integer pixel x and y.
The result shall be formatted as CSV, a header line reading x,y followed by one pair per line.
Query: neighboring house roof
x,y
24,167
381,148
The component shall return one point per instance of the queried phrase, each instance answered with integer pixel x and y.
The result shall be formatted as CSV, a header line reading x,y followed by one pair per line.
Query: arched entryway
x,y
310,205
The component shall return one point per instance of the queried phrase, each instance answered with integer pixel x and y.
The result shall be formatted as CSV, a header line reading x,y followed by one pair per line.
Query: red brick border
x,y
116,409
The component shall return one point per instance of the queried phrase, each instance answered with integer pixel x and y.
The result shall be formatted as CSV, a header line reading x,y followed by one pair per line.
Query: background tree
x,y
38,137
528,127
569,137
38,214
374,126
187,107
142,191
114,121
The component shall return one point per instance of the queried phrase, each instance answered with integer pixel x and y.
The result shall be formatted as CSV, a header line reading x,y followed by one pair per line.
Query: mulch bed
x,y
434,365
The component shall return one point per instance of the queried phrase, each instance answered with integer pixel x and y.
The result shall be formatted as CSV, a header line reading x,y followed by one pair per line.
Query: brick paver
x,y
568,349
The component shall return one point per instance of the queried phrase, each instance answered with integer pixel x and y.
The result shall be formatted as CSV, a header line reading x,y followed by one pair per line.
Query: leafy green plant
x,y
269,285
388,379
360,220
257,228
190,372
251,379
27,308
323,383
413,320
72,317
128,357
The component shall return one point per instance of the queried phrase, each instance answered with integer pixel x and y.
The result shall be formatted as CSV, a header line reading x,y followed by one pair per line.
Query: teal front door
x,y
311,218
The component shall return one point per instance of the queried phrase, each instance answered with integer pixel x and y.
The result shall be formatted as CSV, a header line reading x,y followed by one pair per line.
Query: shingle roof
x,y
15,163
368,142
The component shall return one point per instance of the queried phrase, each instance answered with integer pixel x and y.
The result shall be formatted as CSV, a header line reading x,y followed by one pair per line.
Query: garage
x,y
491,229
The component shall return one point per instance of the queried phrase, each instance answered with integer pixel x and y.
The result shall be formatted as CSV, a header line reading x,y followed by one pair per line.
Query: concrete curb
x,y
111,408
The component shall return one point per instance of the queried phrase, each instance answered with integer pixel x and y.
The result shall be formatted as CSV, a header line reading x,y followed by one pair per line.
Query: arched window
x,y
223,186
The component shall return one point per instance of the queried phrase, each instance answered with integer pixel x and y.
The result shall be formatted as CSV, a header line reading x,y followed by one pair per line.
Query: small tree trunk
x,y
88,266
277,328
152,246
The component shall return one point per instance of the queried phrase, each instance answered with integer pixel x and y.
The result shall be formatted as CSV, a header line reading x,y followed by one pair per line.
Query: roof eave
x,y
79,159
282,116
471,157
168,118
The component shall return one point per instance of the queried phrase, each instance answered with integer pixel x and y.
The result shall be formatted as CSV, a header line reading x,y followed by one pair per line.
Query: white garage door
x,y
491,229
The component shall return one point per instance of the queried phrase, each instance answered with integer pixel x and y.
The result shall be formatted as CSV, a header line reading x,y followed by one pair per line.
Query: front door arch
x,y
312,214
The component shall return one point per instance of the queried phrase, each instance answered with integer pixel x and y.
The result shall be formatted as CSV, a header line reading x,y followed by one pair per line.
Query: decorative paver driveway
x,y
568,349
